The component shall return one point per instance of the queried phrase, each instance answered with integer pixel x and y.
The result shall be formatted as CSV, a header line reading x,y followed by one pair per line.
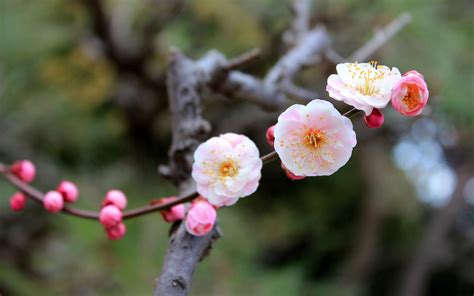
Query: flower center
x,y
367,77
314,138
228,169
411,99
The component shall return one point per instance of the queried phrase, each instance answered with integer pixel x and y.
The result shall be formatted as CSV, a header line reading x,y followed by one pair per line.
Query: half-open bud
x,y
201,218
410,94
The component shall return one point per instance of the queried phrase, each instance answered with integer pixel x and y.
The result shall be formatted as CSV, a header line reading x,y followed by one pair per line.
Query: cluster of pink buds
x,y
53,201
66,192
111,214
201,217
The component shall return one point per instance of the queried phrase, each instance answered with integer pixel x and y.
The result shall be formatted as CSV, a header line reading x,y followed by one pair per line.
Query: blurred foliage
x,y
58,107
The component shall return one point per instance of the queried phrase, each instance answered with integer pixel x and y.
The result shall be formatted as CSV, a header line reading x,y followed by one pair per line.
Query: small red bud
x,y
18,201
271,136
375,119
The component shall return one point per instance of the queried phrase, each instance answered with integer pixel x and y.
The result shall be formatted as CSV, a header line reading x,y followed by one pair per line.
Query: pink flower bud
x,y
176,213
53,201
375,119
110,216
410,94
25,170
271,136
18,201
290,175
116,232
116,198
201,218
68,190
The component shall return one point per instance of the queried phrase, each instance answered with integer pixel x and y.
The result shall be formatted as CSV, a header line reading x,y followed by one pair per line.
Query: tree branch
x,y
380,38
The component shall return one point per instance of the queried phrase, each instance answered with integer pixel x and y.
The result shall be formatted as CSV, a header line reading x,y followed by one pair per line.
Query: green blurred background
x,y
399,214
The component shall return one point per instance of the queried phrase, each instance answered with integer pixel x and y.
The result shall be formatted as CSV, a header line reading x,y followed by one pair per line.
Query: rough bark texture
x,y
184,253
189,129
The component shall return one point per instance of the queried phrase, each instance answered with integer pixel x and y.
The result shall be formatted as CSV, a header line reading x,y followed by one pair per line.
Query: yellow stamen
x,y
314,138
228,169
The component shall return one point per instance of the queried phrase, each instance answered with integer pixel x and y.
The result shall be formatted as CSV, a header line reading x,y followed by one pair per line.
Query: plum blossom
x,y
226,168
363,85
314,140
201,218
410,94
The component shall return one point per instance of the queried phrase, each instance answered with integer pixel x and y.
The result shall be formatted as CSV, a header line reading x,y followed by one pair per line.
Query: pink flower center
x,y
314,138
228,169
412,97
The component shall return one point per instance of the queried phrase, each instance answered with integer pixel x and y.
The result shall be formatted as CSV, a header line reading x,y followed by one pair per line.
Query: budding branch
x,y
38,196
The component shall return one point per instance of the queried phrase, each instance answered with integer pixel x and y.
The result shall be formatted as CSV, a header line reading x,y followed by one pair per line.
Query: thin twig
x,y
381,37
242,59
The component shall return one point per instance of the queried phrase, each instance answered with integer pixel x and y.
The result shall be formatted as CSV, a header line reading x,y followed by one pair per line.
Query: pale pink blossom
x,y
176,213
110,216
68,190
410,94
116,232
201,218
270,135
375,119
116,198
363,85
53,201
25,170
18,201
314,140
226,168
